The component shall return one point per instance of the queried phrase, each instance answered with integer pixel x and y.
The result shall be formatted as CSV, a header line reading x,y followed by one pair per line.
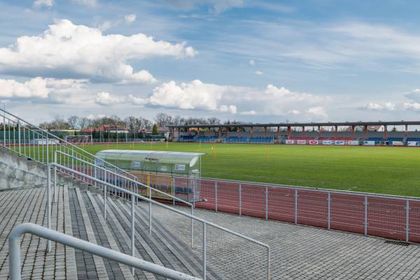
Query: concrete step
x,y
161,249
165,240
29,205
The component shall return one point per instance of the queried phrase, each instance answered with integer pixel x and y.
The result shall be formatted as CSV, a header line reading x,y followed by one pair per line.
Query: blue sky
x,y
234,59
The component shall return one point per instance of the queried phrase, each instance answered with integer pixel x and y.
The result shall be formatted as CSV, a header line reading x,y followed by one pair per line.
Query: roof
x,y
151,156
296,124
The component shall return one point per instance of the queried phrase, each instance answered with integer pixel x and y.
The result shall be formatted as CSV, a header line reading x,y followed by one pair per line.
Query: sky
x,y
251,61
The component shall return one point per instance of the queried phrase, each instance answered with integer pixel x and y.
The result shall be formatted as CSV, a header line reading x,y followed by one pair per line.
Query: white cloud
x,y
414,95
137,100
87,3
193,95
387,106
84,52
196,95
46,90
130,18
35,88
325,46
228,108
46,3
294,112
411,106
249,113
216,6
259,73
318,112
105,98
280,101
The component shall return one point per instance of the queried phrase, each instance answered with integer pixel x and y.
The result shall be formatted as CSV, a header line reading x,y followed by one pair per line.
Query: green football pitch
x,y
390,170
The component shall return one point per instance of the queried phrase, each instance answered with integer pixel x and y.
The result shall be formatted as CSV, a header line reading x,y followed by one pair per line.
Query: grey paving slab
x,y
298,252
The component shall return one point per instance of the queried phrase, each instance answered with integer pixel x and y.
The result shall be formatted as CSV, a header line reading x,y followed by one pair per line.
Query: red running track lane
x,y
386,217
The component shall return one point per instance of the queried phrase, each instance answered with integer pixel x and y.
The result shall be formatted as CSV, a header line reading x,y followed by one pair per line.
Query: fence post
x,y
268,264
4,129
329,210
407,220
240,199
49,204
366,216
204,251
19,143
192,227
105,193
173,190
296,206
150,210
215,195
266,203
55,184
132,230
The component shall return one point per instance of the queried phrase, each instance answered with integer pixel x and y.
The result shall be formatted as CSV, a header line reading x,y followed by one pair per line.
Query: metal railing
x,y
52,235
39,145
42,146
136,197
117,180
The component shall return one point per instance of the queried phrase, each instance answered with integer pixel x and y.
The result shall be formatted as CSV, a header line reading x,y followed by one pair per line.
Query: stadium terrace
x,y
391,133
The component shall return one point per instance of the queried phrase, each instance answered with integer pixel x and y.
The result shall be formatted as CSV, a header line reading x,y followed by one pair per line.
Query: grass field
x,y
389,170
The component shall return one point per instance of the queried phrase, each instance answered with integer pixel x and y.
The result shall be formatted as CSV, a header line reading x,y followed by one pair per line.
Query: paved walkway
x,y
298,252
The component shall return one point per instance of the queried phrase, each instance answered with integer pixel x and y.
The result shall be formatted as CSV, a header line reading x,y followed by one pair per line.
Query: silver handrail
x,y
52,235
138,196
49,136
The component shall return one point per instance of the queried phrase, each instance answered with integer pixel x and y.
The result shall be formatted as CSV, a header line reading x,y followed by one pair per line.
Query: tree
x,y
155,129
163,120
73,122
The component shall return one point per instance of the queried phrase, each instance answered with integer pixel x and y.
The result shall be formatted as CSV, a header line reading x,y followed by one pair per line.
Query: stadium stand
x,y
359,133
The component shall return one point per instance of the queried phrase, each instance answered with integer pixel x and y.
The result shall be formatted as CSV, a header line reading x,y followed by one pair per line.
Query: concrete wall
x,y
19,172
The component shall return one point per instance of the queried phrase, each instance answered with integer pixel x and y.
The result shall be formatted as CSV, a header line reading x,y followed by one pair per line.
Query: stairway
x,y
80,213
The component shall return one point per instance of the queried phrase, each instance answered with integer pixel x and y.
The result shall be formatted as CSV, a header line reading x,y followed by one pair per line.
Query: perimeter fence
x,y
393,217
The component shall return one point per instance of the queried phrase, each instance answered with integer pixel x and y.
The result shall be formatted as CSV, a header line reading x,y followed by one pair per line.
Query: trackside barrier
x,y
388,216
107,186
52,235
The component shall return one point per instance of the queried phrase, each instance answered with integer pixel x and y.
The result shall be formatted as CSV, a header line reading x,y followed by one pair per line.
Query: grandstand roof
x,y
286,124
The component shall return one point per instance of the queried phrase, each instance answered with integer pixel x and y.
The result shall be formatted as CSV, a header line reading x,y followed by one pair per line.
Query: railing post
x,y
192,227
366,216
240,199
55,184
19,143
47,160
105,194
266,203
296,206
407,220
4,128
268,263
204,251
14,262
329,210
132,230
72,159
49,203
173,190
150,210
215,195
95,174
